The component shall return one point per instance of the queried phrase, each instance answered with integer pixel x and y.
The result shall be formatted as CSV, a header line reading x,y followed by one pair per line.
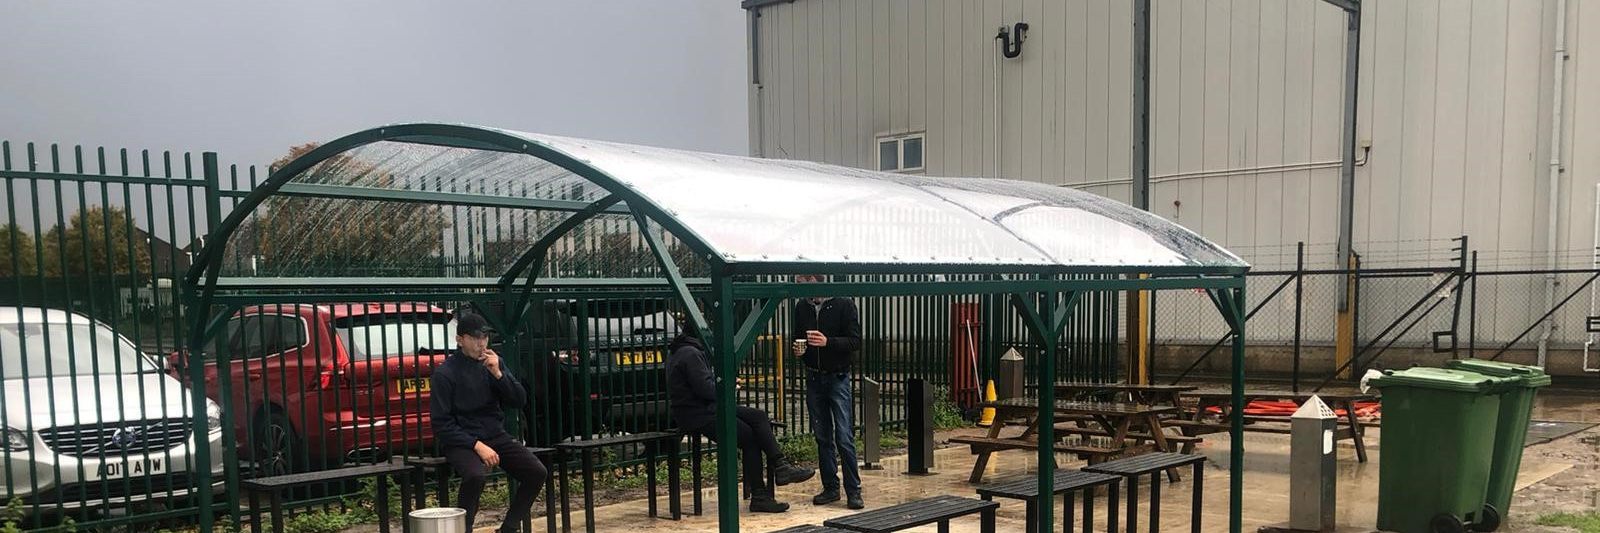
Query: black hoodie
x,y
691,385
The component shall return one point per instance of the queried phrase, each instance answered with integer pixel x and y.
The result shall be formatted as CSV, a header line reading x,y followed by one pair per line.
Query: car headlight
x,y
213,417
17,440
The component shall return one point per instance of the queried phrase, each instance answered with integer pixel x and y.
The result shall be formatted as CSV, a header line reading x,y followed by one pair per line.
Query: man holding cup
x,y
826,333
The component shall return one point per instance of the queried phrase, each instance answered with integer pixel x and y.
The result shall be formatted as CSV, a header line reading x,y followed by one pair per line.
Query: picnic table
x,y
1222,400
1115,420
1150,394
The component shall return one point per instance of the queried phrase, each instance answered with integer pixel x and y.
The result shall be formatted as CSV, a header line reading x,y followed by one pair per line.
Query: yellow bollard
x,y
987,419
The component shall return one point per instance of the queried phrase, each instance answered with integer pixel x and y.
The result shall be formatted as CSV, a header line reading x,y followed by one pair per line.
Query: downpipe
x,y
1554,177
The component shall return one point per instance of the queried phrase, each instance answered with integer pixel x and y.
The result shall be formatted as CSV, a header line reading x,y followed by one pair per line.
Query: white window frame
x,y
900,151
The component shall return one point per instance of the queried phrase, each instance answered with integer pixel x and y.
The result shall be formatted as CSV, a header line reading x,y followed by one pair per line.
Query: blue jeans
x,y
828,396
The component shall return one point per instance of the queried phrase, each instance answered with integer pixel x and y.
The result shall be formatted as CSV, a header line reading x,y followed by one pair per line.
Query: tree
x,y
23,261
298,236
98,241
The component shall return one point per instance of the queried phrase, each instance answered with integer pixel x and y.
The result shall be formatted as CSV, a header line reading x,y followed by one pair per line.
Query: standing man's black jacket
x,y
838,320
468,403
691,387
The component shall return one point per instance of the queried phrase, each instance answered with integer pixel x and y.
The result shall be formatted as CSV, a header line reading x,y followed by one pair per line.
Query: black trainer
x,y
826,497
767,504
787,474
854,502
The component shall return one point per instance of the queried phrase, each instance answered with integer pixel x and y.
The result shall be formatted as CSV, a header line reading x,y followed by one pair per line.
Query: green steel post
x,y
1236,432
728,499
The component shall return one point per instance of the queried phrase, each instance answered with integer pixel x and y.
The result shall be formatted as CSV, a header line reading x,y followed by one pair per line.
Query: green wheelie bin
x,y
1511,433
1436,446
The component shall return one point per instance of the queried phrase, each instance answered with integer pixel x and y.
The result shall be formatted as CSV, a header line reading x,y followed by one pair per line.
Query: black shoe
x,y
787,474
826,497
766,504
854,502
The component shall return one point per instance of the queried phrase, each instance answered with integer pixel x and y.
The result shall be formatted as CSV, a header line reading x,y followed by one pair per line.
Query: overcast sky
x,y
248,80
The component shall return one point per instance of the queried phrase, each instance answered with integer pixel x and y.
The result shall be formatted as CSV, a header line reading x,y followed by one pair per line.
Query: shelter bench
x,y
585,450
1066,483
938,509
274,486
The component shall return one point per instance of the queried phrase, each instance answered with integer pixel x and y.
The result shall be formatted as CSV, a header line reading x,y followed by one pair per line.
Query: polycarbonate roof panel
x,y
771,210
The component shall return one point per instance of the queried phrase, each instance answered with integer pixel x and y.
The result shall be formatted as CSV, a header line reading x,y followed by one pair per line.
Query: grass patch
x,y
1585,522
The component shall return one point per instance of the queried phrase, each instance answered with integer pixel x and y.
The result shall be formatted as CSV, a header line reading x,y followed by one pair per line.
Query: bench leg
x,y
986,521
674,481
944,526
694,460
419,480
441,479
650,476
566,510
1032,522
1066,512
1155,502
383,504
255,512
979,467
277,512
406,490
588,491
1088,510
1133,504
1111,506
1194,505
549,500
1355,432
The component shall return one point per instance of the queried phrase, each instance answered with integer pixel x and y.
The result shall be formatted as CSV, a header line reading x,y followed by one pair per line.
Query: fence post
x,y
1299,308
1472,311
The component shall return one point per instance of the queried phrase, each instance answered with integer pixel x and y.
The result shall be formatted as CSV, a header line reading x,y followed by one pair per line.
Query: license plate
x,y
638,358
115,469
413,386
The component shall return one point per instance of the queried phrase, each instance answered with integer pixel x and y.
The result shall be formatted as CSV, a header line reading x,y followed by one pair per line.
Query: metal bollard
x,y
919,427
871,434
1010,381
438,520
1312,470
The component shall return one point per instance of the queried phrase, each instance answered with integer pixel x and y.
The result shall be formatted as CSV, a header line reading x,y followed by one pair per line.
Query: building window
x,y
900,153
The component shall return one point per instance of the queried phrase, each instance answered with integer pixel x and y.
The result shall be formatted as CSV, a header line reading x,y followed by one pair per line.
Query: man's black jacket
x,y
468,401
838,320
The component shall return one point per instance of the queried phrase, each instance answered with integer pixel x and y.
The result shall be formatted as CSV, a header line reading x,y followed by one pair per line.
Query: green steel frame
x,y
1043,295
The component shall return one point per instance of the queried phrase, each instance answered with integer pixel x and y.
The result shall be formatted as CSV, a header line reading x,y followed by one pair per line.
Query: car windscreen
x,y
378,336
41,350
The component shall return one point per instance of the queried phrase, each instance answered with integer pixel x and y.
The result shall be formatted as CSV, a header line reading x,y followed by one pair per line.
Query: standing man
x,y
470,393
831,329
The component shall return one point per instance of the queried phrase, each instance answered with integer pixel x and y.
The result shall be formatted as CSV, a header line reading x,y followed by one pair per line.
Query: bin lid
x,y
1529,376
1441,379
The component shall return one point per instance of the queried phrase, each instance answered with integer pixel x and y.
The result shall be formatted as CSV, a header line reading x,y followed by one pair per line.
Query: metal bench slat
x,y
1066,481
911,514
290,480
1145,463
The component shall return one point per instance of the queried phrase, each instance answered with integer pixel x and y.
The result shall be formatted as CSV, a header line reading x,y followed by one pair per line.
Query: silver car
x,y
88,420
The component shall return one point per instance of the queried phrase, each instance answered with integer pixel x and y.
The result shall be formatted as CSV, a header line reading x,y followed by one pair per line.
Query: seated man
x,y
692,388
470,391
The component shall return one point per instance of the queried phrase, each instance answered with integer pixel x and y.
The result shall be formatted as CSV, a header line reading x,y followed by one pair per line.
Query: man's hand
x,y
491,361
816,338
490,458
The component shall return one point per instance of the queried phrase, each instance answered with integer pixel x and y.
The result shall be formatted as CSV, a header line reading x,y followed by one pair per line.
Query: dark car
x,y
600,366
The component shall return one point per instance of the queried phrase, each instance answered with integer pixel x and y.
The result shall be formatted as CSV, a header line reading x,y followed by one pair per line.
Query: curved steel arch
x,y
452,135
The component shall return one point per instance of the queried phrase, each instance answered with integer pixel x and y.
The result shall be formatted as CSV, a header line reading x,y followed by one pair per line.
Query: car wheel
x,y
278,449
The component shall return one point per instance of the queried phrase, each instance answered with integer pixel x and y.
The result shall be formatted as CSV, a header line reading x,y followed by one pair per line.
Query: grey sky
x,y
248,81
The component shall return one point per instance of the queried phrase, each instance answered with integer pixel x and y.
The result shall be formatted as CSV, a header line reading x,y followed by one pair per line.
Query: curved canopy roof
x,y
731,210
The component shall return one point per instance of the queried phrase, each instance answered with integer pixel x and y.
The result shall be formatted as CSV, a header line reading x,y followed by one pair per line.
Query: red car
x,y
315,385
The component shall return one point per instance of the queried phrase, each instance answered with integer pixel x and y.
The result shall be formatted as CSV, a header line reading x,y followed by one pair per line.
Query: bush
x,y
946,414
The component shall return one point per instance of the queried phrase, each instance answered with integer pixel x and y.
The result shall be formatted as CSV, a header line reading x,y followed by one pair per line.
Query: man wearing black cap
x,y
470,391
